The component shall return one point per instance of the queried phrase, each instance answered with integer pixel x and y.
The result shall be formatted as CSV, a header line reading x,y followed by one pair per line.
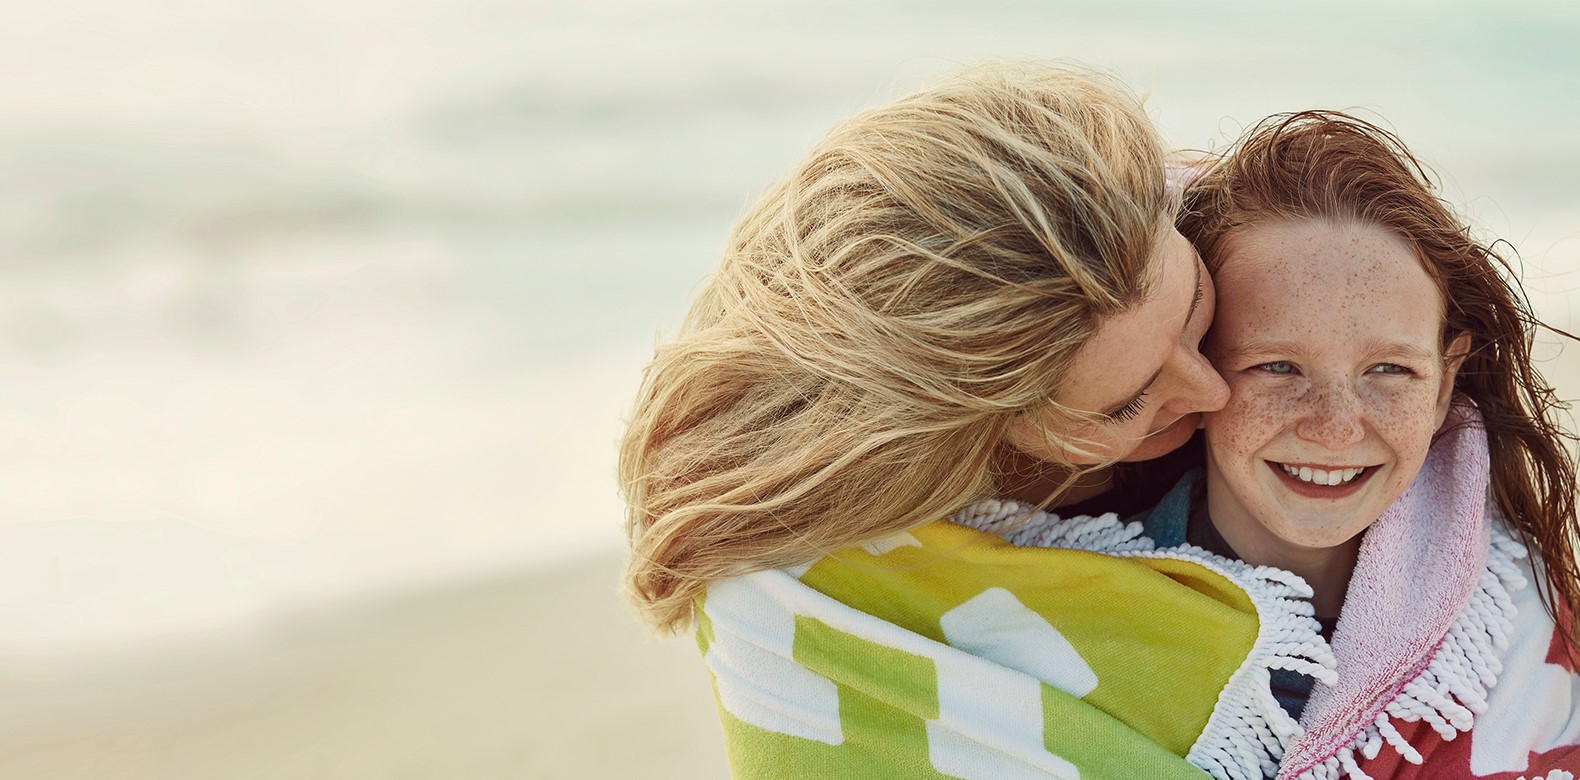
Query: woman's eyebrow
x,y
1195,301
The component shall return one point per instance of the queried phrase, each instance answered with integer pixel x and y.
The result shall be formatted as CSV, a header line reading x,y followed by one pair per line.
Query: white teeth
x,y
1322,476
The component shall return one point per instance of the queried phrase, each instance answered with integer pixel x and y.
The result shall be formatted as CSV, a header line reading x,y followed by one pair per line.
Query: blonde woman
x,y
974,292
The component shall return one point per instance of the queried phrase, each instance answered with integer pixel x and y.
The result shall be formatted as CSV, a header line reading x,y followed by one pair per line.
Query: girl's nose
x,y
1334,420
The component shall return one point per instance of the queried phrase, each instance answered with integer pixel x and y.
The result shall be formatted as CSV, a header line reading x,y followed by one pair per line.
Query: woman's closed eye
x,y
1130,410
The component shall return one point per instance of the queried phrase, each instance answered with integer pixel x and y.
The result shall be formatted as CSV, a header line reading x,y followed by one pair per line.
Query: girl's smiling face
x,y
1329,335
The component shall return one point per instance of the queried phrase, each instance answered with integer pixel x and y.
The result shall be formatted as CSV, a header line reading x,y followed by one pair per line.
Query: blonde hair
x,y
878,320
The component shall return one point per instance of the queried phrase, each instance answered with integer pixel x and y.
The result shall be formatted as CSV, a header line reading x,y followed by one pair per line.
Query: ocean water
x,y
302,300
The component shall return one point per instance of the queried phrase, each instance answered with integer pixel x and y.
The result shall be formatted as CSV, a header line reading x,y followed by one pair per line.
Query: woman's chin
x,y
1164,440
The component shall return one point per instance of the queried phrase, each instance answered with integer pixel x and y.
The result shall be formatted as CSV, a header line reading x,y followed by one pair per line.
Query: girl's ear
x,y
1453,357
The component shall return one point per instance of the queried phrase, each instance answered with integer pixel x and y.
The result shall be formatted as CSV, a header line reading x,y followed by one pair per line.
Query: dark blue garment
x,y
1166,522
1293,689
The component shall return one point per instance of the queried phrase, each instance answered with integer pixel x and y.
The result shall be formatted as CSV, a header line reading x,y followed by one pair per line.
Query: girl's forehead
x,y
1325,280
1319,258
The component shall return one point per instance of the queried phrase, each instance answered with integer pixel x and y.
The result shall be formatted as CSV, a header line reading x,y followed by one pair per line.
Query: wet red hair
x,y
1333,166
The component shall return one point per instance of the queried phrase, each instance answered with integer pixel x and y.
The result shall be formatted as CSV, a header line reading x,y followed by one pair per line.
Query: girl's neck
x,y
1326,569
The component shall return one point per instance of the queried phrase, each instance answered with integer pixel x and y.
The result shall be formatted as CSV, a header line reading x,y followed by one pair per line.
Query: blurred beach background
x,y
318,321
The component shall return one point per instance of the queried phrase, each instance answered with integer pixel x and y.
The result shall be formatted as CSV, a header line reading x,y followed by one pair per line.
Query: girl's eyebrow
x,y
1297,348
1267,347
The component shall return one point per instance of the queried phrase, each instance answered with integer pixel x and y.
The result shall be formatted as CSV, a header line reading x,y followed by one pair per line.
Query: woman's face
x,y
1142,371
1329,335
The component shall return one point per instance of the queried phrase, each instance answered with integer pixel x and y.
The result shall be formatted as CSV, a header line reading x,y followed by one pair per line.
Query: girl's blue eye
x,y
1389,368
1277,367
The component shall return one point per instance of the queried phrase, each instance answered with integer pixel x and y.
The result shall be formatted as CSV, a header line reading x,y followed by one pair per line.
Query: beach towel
x,y
949,652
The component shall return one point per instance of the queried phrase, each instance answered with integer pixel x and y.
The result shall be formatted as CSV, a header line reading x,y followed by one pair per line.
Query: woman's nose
x,y
1334,419
1205,390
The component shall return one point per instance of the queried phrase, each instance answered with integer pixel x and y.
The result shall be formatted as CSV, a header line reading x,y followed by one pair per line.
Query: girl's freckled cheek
x,y
1405,419
1257,417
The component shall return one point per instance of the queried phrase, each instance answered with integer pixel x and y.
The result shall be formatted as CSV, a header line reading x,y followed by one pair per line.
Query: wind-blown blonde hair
x,y
878,320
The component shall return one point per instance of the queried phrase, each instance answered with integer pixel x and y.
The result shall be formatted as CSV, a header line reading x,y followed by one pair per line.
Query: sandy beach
x,y
543,676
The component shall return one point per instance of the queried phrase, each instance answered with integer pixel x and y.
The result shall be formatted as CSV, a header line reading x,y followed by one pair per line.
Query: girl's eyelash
x,y
1285,368
1130,410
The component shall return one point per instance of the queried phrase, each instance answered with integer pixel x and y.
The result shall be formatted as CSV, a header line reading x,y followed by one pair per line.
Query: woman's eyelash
x,y
1130,410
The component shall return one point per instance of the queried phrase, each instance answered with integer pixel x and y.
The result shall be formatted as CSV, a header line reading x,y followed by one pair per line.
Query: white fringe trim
x,y
1452,689
1248,730
1027,526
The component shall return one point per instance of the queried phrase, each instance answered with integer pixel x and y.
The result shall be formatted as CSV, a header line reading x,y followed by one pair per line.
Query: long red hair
x,y
1329,165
